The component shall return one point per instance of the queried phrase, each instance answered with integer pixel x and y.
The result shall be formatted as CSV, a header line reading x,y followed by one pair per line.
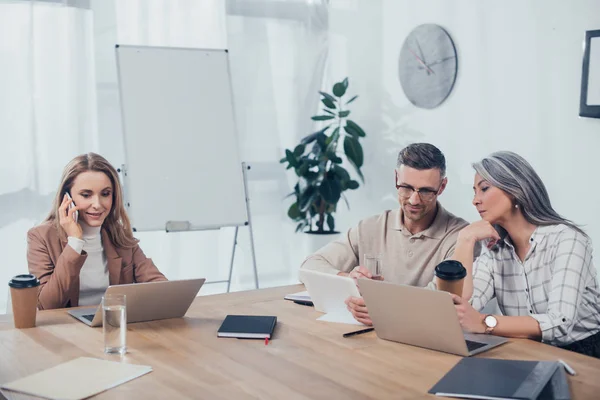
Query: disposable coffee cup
x,y
451,276
24,294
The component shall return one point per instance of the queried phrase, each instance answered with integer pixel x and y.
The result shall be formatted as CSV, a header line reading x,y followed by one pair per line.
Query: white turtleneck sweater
x,y
93,278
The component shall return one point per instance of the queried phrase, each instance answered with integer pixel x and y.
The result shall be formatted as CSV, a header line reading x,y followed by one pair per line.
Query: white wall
x,y
517,89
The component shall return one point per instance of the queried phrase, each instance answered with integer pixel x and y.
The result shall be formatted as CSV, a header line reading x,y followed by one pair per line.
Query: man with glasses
x,y
409,241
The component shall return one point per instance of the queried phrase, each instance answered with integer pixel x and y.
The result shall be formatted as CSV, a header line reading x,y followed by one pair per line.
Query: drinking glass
x,y
114,323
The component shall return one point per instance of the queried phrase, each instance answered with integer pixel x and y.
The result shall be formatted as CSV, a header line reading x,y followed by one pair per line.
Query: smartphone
x,y
71,205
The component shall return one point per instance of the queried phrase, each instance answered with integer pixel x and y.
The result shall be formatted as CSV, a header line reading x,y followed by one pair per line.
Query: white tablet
x,y
327,291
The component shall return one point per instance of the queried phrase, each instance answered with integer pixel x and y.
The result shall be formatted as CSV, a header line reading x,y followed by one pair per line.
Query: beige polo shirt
x,y
406,258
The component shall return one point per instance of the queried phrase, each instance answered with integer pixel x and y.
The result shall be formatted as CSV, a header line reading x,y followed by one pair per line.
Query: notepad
x,y
247,326
77,379
486,378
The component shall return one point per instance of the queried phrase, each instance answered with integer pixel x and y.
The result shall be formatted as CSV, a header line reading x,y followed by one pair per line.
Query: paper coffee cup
x,y
451,276
24,295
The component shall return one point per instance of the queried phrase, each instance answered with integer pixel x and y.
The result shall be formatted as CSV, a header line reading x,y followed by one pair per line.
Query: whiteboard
x,y
182,162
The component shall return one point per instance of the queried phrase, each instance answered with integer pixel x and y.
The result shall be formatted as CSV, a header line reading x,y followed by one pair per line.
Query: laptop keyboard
x,y
89,317
474,345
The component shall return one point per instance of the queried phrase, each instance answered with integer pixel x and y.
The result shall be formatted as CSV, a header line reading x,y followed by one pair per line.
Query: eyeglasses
x,y
425,194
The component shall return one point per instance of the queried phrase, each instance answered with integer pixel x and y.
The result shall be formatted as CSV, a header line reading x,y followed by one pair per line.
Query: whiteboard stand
x,y
245,167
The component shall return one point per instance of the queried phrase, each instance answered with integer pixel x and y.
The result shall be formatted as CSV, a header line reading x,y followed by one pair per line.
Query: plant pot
x,y
316,240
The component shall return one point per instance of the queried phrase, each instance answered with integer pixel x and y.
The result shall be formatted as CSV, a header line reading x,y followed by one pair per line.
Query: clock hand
x,y
421,61
440,61
420,51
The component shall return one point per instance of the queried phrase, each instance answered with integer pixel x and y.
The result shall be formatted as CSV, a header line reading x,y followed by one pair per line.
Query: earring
x,y
516,206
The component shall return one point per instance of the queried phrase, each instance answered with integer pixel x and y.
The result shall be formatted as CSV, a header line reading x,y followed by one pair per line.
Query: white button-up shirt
x,y
556,283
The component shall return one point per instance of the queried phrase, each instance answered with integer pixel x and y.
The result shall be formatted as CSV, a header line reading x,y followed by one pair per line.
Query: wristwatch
x,y
490,323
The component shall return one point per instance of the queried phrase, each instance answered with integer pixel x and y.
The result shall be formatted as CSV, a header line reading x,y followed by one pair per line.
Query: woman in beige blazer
x,y
86,242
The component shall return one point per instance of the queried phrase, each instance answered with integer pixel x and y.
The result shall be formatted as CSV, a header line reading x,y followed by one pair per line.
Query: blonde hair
x,y
117,223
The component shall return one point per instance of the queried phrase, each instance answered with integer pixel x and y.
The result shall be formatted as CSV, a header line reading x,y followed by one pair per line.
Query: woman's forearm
x,y
518,327
464,253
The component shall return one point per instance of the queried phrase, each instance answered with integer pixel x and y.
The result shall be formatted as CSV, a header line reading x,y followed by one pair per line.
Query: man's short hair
x,y
422,156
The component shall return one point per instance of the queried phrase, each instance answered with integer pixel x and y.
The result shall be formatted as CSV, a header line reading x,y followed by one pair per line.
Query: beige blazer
x,y
57,266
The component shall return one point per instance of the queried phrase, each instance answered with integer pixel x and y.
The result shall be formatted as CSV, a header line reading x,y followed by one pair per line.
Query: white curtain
x,y
59,98
47,113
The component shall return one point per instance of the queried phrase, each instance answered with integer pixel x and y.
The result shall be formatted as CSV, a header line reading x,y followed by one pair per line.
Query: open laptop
x,y
420,317
147,301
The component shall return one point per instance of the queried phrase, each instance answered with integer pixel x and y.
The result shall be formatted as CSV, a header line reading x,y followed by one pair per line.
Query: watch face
x,y
491,321
427,66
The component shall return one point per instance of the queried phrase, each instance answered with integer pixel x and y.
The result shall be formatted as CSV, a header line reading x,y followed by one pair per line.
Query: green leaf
x,y
339,89
358,171
303,170
294,212
328,96
322,117
322,139
330,190
343,114
301,226
334,136
330,222
345,83
354,127
328,111
307,198
352,185
333,157
346,200
341,172
353,151
311,176
352,99
328,103
291,159
299,150
284,159
314,136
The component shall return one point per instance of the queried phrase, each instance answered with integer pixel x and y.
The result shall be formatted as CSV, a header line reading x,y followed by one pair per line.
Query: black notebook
x,y
486,378
247,326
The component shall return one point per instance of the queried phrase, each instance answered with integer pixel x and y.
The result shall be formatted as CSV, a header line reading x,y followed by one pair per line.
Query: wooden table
x,y
307,359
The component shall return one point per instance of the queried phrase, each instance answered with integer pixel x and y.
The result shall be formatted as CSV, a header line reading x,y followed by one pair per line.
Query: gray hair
x,y
512,174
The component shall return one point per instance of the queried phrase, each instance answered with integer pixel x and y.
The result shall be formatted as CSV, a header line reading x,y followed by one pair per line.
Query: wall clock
x,y
427,66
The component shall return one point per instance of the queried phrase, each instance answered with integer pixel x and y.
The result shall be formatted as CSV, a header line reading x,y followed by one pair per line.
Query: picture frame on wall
x,y
589,102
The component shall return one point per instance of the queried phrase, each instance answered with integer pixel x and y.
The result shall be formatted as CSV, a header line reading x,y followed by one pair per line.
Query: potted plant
x,y
317,162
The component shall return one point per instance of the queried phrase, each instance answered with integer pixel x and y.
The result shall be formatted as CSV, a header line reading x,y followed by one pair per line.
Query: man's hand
x,y
356,305
360,272
470,319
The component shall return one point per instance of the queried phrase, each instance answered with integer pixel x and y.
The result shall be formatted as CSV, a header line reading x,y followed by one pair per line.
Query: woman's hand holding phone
x,y
66,215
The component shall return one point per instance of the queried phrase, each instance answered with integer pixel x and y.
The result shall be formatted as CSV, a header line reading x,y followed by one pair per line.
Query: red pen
x,y
266,341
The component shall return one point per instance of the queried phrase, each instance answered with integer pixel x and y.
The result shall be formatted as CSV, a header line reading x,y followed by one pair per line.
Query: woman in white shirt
x,y
538,264
86,242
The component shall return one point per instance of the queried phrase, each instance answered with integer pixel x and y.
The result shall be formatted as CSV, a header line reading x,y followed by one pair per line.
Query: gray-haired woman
x,y
538,264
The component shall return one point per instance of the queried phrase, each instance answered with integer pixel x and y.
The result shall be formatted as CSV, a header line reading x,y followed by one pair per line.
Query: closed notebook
x,y
485,378
77,379
247,326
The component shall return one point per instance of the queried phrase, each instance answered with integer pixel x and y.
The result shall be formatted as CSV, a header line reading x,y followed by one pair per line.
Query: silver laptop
x,y
147,301
420,317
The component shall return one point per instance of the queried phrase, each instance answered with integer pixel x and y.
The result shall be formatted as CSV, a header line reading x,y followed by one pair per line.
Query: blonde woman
x,y
86,242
